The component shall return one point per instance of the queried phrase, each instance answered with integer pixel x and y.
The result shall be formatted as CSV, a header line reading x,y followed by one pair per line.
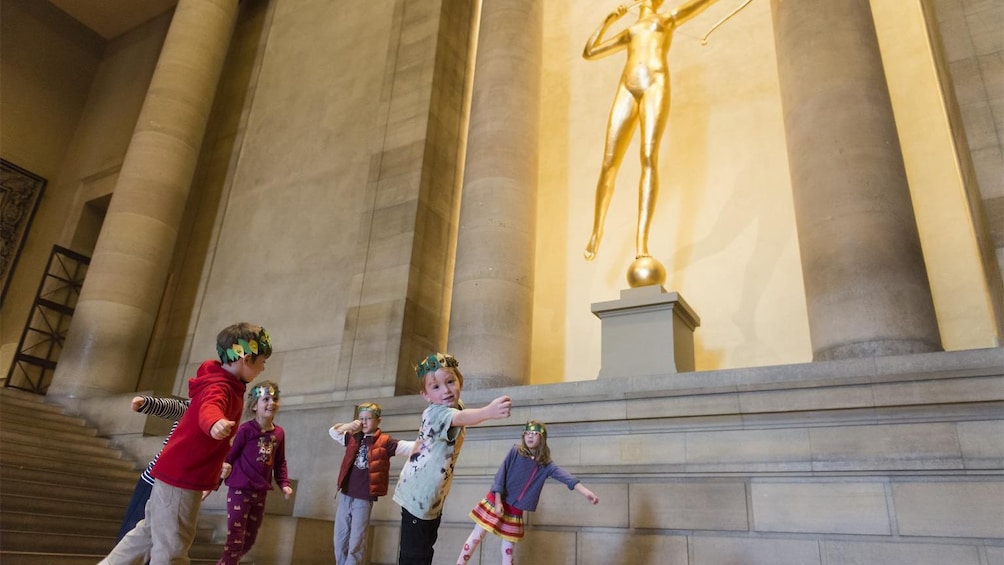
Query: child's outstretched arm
x,y
587,493
498,409
221,429
404,447
338,431
162,407
348,428
212,414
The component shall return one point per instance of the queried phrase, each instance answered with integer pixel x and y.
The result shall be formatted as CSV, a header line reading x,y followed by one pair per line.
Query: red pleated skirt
x,y
508,527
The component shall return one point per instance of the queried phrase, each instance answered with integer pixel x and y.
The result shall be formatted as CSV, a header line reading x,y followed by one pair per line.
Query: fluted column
x,y
491,312
118,304
866,285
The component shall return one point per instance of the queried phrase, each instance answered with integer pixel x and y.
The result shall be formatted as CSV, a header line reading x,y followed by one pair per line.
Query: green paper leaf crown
x,y
433,363
259,344
538,427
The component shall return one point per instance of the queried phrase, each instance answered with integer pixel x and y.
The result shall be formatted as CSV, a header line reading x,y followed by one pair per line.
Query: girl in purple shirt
x,y
516,489
257,455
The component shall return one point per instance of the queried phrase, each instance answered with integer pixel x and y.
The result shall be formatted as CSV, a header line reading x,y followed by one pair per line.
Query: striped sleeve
x,y
168,408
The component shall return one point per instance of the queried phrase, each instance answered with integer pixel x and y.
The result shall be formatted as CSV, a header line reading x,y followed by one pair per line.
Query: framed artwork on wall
x,y
20,194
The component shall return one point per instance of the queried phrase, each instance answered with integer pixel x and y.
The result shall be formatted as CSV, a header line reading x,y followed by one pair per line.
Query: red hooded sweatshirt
x,y
192,458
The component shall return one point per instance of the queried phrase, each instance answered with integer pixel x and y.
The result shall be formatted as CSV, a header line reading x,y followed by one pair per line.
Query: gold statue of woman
x,y
642,98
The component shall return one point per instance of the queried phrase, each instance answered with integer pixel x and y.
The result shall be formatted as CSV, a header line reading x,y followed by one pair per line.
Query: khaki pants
x,y
165,534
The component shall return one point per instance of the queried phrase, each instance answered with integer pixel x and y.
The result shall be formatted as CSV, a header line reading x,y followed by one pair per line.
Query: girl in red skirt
x,y
516,490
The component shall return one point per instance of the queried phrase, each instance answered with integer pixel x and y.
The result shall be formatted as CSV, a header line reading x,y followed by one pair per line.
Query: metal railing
x,y
45,330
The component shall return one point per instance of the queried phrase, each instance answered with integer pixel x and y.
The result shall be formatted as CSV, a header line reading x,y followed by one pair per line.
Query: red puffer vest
x,y
379,460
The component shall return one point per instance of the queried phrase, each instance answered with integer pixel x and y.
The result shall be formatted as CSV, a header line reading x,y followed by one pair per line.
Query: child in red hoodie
x,y
191,461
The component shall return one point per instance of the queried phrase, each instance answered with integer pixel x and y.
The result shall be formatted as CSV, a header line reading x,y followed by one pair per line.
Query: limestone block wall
x,y
895,460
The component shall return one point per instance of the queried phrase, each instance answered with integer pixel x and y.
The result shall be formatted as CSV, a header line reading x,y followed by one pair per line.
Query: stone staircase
x,y
63,489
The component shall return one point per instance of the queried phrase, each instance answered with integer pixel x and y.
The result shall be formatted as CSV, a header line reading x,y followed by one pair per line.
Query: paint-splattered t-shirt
x,y
428,474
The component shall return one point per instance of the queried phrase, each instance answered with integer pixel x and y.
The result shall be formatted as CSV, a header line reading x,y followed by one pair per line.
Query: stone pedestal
x,y
648,331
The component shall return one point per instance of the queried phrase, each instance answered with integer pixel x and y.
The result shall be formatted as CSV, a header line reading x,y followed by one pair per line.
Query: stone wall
x,y
894,460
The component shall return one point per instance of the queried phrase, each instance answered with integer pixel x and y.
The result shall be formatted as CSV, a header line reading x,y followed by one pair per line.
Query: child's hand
x,y
287,492
500,408
357,426
497,508
222,428
205,494
226,470
137,401
587,493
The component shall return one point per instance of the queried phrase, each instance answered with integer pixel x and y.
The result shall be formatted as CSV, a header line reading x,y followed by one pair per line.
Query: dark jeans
x,y
417,538
137,508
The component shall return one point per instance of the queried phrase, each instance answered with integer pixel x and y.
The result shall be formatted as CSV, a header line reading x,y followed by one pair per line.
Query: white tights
x,y
472,543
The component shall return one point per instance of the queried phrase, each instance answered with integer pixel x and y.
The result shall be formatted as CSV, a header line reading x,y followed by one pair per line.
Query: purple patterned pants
x,y
245,509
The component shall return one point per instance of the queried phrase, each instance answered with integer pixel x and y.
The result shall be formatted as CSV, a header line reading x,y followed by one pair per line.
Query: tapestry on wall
x,y
20,193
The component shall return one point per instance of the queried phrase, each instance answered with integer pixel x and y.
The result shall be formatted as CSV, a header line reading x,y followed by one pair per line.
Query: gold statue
x,y
642,98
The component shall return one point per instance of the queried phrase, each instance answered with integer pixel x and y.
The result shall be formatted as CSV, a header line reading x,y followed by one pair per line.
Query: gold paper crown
x,y
371,407
261,390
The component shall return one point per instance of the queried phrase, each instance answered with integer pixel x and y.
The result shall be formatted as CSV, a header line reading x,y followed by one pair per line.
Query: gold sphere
x,y
646,271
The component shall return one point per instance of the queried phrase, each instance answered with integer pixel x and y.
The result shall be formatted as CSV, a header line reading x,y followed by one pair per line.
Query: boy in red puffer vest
x,y
364,476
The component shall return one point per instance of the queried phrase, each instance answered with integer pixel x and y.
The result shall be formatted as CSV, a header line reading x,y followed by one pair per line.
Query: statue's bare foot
x,y
593,246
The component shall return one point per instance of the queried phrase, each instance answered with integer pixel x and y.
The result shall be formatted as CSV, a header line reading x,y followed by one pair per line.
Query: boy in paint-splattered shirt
x,y
427,476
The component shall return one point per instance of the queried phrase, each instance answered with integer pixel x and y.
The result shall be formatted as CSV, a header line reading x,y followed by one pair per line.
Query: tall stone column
x,y
492,307
114,318
866,285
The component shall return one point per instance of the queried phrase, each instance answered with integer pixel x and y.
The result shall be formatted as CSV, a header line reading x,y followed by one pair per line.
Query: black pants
x,y
417,538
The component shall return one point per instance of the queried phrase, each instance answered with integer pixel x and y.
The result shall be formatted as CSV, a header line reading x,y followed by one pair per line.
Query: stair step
x,y
46,558
67,493
64,489
17,503
79,451
37,542
45,420
14,540
83,445
12,399
9,472
86,436
35,522
106,467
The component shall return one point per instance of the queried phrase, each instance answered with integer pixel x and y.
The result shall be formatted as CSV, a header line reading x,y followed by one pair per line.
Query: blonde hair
x,y
257,391
371,407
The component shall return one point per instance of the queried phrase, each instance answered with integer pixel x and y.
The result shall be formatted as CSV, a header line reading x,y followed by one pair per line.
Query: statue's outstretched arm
x,y
596,47
690,10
